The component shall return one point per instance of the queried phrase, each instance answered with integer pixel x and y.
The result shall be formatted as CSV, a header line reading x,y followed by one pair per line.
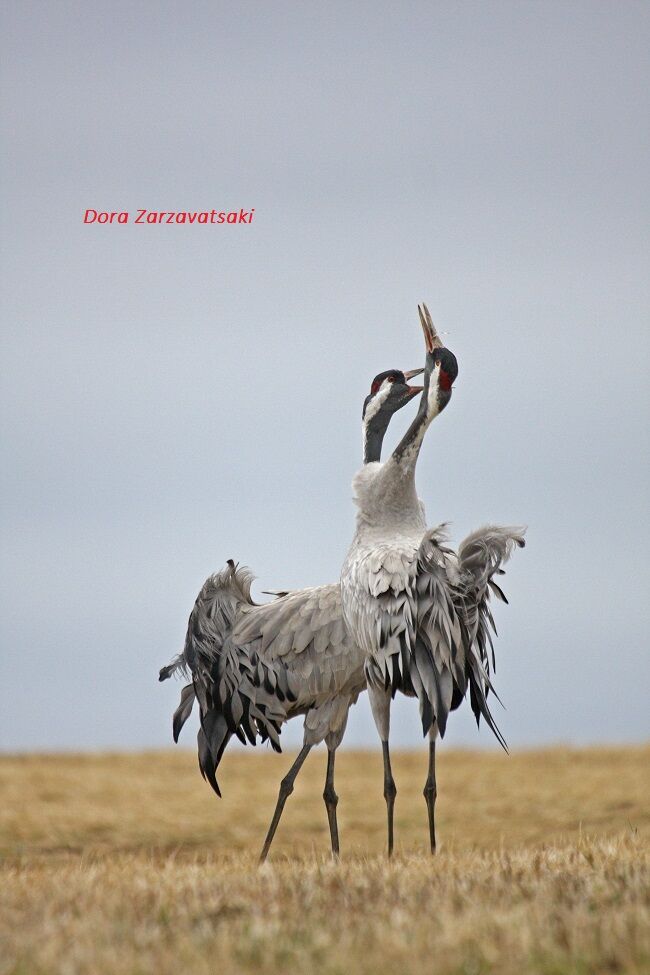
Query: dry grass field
x,y
128,865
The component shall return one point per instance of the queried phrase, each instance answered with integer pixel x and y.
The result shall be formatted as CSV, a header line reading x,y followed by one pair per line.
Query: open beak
x,y
413,390
431,337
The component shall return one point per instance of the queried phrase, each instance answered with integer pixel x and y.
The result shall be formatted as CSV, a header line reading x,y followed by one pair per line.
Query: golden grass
x,y
128,865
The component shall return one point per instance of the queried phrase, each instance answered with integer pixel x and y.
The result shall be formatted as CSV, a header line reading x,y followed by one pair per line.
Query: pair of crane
x,y
408,614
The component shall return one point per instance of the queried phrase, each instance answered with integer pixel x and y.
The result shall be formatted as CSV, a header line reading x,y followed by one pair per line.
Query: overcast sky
x,y
173,396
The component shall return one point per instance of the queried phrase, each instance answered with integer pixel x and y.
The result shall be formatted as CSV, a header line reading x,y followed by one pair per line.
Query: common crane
x,y
418,611
253,667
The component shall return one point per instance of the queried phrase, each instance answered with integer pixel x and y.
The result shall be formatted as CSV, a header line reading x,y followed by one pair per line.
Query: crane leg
x,y
430,792
380,706
286,788
390,791
331,802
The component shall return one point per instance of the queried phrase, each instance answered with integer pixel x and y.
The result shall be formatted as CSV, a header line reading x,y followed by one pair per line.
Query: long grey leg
x,y
390,791
331,801
333,739
286,788
430,792
380,704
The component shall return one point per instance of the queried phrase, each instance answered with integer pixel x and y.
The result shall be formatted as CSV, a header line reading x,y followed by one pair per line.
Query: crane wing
x,y
254,666
480,558
303,634
208,630
444,662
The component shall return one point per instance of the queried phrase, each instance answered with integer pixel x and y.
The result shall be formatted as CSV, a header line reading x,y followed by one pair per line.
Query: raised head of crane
x,y
440,372
389,392
444,371
441,366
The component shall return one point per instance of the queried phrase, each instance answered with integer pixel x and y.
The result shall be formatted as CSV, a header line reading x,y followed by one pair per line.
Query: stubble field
x,y
129,865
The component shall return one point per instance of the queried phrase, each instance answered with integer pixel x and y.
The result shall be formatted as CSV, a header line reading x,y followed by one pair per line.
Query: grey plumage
x,y
481,556
409,614
420,612
422,615
253,667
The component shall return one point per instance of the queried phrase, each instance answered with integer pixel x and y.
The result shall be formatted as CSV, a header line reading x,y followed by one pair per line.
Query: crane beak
x,y
431,337
412,390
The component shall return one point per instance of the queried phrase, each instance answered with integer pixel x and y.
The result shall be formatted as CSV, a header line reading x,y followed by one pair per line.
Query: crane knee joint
x,y
390,790
286,787
330,797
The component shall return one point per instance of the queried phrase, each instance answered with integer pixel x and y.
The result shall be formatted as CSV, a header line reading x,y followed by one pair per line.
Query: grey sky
x,y
174,396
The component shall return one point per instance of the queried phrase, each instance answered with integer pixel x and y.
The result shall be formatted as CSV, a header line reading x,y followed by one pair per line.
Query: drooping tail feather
x,y
208,629
184,709
444,662
479,684
177,666
438,665
212,739
480,557
238,693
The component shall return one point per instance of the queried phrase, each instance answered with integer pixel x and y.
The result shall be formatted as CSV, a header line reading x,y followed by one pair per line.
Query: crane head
x,y
441,365
389,392
445,370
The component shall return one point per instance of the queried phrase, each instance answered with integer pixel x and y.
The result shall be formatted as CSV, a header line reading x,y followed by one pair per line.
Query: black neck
x,y
374,434
415,434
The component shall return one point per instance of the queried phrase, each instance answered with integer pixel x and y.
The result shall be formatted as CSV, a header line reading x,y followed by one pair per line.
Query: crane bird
x,y
419,612
253,667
